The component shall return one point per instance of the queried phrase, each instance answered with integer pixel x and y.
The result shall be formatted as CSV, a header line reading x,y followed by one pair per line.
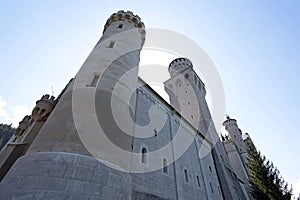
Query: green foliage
x,y
6,131
266,182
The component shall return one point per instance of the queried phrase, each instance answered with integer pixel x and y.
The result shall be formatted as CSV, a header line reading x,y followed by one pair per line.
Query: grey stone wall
x,y
173,185
63,176
59,133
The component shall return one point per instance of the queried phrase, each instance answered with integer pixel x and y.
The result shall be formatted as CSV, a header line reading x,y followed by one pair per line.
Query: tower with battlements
x,y
235,145
48,158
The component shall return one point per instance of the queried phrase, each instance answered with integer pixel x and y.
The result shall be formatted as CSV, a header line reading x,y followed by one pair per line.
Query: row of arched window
x,y
186,178
165,169
144,160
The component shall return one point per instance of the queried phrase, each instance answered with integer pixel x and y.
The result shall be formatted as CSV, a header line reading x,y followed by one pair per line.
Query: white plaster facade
x,y
53,163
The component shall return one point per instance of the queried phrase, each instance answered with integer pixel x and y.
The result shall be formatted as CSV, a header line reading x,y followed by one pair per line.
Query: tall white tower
x,y
187,93
235,135
236,151
109,76
58,157
112,67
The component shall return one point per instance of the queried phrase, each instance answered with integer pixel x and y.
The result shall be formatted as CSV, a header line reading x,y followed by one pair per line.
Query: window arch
x,y
186,177
120,26
165,166
43,111
144,152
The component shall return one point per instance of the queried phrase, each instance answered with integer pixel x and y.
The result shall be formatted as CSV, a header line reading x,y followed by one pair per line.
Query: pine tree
x,y
266,182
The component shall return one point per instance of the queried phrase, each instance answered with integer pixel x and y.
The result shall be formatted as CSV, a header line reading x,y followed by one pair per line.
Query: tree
x,y
6,131
266,182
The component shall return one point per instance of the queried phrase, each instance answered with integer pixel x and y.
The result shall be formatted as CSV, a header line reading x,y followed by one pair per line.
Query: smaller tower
x,y
43,108
236,150
187,94
235,135
23,126
248,141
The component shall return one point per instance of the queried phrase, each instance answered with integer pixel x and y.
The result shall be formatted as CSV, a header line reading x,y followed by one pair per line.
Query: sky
x,y
254,45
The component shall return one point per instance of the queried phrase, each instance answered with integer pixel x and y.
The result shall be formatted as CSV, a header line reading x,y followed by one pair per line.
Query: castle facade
x,y
52,155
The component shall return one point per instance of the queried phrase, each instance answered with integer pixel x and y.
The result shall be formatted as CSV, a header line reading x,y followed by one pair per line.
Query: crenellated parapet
x,y
23,126
178,65
129,17
229,122
43,108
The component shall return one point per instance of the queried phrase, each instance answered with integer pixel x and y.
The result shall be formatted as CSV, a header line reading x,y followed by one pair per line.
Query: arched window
x,y
144,151
198,181
42,111
186,175
165,166
120,26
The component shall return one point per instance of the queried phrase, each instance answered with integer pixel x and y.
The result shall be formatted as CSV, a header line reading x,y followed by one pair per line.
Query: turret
x,y
187,93
235,135
43,108
119,51
248,141
23,126
121,21
236,149
179,65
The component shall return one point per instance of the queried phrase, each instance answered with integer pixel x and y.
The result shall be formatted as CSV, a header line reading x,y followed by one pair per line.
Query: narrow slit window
x,y
198,181
111,44
144,151
165,166
95,81
186,175
211,187
23,131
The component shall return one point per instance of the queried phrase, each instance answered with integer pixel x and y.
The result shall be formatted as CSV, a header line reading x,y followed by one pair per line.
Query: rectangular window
x,y
111,44
186,175
120,26
211,187
95,81
165,166
198,181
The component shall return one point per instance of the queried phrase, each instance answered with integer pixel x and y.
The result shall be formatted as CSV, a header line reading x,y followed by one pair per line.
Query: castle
x,y
72,147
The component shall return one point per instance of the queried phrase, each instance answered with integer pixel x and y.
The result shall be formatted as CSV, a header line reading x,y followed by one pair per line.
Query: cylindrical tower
x,y
187,93
117,53
107,80
112,70
235,135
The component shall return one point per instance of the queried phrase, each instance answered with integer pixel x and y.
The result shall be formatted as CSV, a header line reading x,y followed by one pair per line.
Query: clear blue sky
x,y
255,46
